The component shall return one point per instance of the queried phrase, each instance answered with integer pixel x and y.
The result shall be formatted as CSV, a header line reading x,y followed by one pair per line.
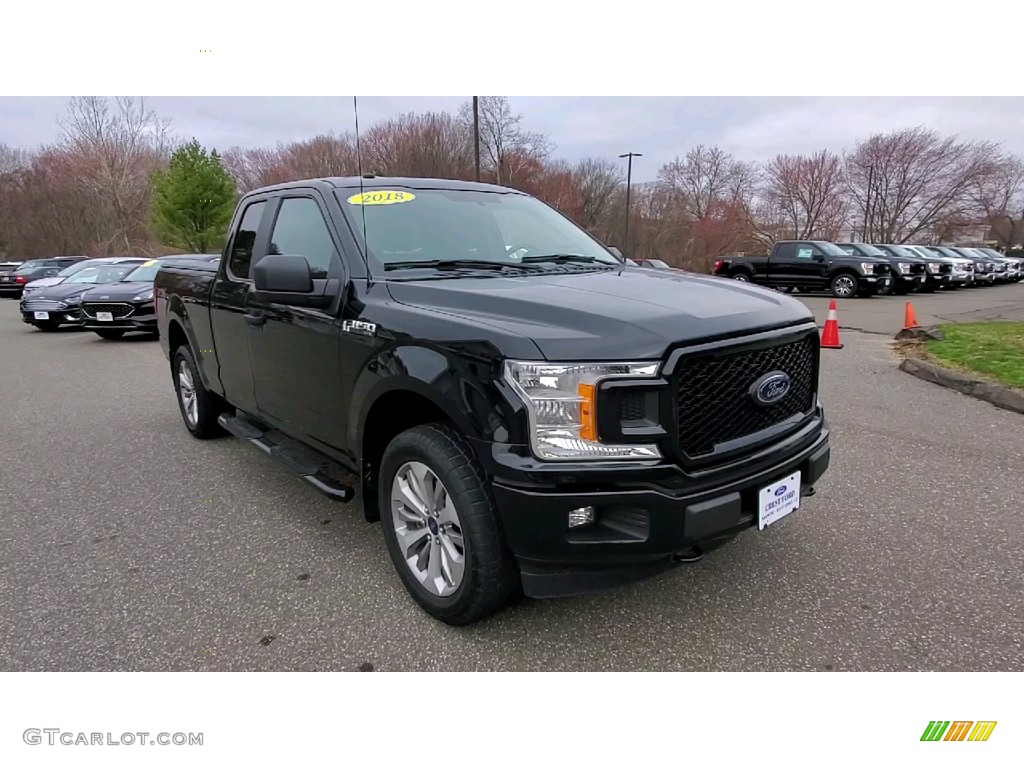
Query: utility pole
x,y
476,134
629,184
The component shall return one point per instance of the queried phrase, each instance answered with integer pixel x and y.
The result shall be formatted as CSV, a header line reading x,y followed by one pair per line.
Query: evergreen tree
x,y
193,200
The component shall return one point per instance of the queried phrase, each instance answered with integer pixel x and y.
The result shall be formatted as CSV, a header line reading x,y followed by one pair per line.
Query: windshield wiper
x,y
566,258
496,266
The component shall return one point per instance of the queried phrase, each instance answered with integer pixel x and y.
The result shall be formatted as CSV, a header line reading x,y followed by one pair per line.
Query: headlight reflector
x,y
560,400
144,296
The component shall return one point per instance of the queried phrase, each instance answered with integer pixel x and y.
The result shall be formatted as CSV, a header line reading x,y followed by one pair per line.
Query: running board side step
x,y
245,430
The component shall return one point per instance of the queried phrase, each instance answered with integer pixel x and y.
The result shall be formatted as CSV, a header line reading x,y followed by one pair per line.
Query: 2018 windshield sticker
x,y
381,197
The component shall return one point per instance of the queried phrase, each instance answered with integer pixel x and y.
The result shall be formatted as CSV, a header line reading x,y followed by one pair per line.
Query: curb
x,y
996,394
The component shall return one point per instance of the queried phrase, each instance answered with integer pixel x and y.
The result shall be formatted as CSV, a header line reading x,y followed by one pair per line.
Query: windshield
x,y
75,268
428,225
145,273
905,252
870,250
28,266
831,249
108,274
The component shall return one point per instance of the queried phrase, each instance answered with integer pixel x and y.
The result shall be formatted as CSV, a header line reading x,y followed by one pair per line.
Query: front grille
x,y
945,269
42,305
918,269
713,393
881,269
117,310
632,407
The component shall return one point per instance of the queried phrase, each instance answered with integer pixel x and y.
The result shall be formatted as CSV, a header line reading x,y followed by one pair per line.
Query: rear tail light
x,y
718,266
19,279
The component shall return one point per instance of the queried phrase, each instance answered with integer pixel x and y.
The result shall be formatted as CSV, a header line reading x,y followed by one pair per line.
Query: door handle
x,y
256,319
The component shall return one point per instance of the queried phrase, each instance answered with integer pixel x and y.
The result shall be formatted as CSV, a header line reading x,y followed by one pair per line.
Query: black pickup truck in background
x,y
810,265
523,411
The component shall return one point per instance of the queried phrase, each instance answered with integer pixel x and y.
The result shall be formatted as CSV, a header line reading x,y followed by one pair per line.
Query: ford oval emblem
x,y
770,388
781,490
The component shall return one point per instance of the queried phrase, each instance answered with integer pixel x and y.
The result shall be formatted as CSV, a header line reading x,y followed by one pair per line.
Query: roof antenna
x,y
362,204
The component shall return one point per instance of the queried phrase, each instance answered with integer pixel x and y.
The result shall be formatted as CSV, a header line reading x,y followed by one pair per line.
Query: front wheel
x,y
843,286
199,407
442,528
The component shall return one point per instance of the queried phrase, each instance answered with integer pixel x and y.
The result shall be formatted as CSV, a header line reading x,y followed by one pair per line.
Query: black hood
x,y
629,313
64,290
116,291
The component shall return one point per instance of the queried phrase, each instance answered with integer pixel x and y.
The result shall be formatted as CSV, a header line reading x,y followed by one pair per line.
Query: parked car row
x,y
109,296
866,269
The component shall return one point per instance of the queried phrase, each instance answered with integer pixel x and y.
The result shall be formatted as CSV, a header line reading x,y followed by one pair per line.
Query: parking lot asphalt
x,y
884,314
127,545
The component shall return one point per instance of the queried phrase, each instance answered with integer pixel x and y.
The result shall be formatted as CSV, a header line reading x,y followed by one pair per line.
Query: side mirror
x,y
289,280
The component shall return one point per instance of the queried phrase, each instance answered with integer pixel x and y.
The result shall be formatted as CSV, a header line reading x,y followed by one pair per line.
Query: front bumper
x,y
938,281
647,517
873,283
142,318
71,315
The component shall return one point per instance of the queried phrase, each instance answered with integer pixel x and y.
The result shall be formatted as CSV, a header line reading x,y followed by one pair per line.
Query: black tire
x,y
208,406
47,325
742,276
110,335
490,577
838,284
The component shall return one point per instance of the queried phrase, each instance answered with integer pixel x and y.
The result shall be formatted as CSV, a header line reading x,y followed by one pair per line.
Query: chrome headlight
x,y
560,400
71,301
933,267
144,296
904,268
868,267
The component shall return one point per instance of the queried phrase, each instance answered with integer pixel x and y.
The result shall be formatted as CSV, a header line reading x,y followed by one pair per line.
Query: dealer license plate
x,y
42,315
106,317
778,500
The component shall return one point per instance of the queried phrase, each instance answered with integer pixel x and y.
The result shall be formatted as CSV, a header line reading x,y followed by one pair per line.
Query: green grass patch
x,y
994,350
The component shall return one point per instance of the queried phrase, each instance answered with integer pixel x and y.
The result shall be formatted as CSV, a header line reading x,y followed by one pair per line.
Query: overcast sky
x,y
754,128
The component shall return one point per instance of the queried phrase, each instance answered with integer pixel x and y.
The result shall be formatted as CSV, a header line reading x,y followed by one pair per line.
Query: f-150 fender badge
x,y
358,326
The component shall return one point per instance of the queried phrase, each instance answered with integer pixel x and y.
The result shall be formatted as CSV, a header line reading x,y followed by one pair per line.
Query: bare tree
x,y
506,148
117,147
598,181
432,144
706,175
807,192
1000,195
917,177
321,156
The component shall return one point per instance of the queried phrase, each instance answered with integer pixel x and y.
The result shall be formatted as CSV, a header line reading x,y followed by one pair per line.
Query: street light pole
x,y
476,134
867,204
629,184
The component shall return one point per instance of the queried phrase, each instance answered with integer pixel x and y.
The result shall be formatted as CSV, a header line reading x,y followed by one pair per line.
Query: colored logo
x,y
382,197
781,490
770,388
958,730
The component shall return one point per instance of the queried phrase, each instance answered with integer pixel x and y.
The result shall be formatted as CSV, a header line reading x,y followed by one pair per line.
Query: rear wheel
x,y
843,285
47,325
442,528
743,277
199,407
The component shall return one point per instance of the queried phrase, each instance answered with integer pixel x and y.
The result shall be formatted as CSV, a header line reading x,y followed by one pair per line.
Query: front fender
x,y
463,383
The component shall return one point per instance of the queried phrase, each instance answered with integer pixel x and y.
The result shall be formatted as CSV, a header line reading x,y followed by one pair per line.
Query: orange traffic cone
x,y
830,334
909,318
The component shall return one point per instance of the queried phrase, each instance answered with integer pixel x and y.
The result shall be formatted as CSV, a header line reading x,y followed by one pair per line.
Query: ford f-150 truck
x,y
810,265
522,410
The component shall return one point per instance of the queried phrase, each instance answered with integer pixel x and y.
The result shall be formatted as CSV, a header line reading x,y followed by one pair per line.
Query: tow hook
x,y
692,555
807,490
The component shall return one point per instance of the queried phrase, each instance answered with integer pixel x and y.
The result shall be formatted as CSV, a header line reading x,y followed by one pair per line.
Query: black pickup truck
x,y
810,265
523,410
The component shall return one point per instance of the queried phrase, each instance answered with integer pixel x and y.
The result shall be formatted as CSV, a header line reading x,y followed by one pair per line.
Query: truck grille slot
x,y
42,305
117,310
632,407
713,393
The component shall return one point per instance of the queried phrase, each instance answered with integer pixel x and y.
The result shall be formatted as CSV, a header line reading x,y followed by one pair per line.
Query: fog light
x,y
581,516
